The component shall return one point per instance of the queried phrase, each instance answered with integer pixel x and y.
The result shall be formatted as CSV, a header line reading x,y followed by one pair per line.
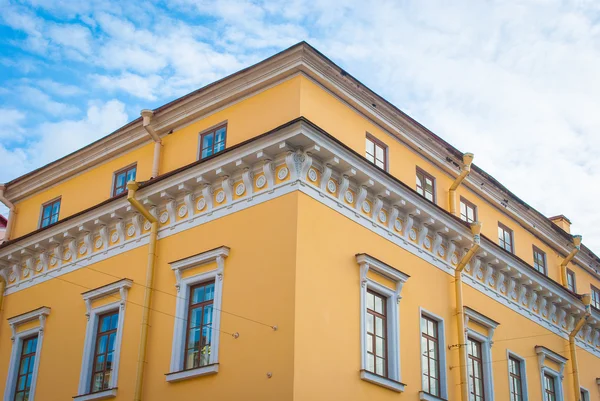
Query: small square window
x,y
468,211
505,238
571,284
539,260
50,212
213,141
425,185
595,298
122,177
376,152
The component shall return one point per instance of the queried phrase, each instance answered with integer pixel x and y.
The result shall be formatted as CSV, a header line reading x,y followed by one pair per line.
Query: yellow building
x,y
290,235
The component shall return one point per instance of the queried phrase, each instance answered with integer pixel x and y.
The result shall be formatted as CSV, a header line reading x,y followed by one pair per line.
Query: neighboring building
x,y
3,222
302,239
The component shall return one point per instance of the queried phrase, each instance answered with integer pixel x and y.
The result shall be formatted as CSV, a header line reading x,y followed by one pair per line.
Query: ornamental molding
x,y
120,287
217,255
298,146
39,314
368,262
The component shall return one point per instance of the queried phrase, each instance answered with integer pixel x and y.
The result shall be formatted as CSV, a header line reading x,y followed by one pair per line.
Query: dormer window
x,y
213,141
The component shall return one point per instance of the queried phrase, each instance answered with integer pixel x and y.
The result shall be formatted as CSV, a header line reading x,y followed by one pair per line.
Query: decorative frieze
x,y
271,166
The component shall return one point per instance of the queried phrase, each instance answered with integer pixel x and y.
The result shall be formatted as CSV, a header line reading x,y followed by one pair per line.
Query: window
x,y
104,351
468,211
479,355
584,395
539,260
475,368
25,372
549,388
425,185
505,238
376,152
25,355
50,213
430,358
571,284
433,358
102,345
376,334
515,377
595,298
121,178
213,141
380,324
199,321
551,378
195,349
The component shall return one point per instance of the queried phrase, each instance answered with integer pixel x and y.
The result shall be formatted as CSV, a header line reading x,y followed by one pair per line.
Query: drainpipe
x,y
587,299
12,211
563,265
467,160
460,313
132,187
146,119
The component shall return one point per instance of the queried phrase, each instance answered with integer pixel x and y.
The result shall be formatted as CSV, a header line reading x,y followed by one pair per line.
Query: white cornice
x,y
35,314
410,222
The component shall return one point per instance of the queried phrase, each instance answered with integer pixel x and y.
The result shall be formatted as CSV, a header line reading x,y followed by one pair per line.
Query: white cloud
x,y
40,100
72,36
10,122
60,89
142,87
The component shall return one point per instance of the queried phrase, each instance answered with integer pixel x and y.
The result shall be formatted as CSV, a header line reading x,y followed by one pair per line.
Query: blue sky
x,y
515,81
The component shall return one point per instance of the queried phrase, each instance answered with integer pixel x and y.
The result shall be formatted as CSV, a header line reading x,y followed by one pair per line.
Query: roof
x,y
379,105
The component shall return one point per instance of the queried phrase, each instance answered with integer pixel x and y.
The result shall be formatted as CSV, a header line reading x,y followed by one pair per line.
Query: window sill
x,y
100,395
423,396
191,373
382,381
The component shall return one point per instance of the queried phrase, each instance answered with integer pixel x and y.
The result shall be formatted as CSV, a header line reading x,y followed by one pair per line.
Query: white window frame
x,y
522,369
442,357
118,290
544,353
586,393
17,338
183,286
366,263
486,347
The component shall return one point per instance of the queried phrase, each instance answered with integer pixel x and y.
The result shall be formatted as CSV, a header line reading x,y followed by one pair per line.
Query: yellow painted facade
x,y
290,318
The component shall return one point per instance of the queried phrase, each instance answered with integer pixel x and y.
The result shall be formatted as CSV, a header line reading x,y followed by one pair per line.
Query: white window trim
x,y
522,369
587,394
118,290
486,347
366,263
442,357
544,353
218,255
39,314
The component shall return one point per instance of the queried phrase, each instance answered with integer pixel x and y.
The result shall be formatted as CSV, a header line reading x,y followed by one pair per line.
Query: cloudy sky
x,y
515,82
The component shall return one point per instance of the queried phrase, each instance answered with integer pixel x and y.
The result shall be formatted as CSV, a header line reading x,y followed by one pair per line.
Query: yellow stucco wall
x,y
258,284
328,306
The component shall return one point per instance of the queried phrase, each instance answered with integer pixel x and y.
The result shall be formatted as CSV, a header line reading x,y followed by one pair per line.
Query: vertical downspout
x,y
460,313
565,262
146,120
2,289
587,299
467,160
12,212
132,187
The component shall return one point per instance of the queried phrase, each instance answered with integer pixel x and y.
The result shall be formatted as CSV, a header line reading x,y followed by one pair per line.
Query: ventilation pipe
x,y
587,299
146,120
563,265
132,188
460,313
467,161
11,212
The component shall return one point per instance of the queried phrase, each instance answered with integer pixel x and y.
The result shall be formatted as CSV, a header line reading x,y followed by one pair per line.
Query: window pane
x,y
47,210
131,174
379,152
221,132
380,164
198,295
380,366
207,141
378,305
370,147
